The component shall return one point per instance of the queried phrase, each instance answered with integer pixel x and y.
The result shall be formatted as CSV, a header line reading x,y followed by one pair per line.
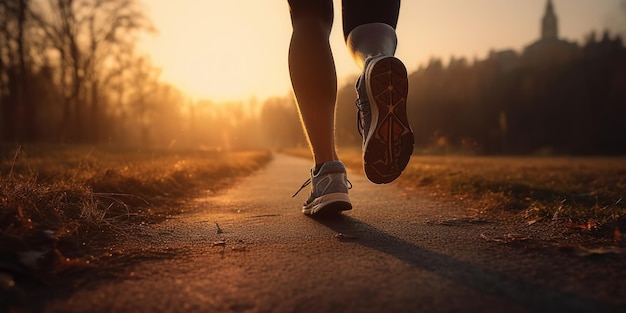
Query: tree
x,y
143,104
16,106
87,35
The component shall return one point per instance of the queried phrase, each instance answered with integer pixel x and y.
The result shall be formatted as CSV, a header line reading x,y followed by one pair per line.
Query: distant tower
x,y
549,25
549,50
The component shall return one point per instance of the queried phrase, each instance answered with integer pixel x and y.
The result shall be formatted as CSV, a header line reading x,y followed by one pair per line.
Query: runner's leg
x,y
369,28
382,88
313,75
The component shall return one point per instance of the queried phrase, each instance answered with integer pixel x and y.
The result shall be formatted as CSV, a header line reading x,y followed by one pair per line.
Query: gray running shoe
x,y
329,193
382,119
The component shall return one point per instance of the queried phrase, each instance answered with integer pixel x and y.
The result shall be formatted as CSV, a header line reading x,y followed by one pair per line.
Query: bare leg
x,y
314,81
371,40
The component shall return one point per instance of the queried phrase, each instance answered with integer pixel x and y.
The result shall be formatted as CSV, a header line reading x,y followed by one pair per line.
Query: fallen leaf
x,y
592,225
514,237
507,238
576,226
531,222
618,236
584,252
483,236
342,236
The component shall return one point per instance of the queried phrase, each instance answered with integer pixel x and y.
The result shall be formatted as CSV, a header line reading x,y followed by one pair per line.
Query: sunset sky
x,y
237,49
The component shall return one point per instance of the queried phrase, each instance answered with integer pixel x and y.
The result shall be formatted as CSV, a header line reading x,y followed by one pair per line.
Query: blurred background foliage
x,y
70,73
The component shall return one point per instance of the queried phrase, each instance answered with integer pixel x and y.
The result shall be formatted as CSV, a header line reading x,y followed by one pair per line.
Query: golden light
x,y
236,49
222,50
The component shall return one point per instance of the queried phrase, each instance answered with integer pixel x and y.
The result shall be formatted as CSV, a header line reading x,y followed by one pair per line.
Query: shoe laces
x,y
308,182
362,109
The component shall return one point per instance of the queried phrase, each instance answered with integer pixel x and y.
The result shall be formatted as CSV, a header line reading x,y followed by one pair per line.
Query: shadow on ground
x,y
535,297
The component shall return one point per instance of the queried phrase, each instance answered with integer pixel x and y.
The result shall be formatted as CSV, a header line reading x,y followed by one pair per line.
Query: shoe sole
x,y
389,143
332,203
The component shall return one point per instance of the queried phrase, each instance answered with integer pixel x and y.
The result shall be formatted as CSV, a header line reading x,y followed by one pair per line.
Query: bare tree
x,y
144,80
87,35
16,105
7,107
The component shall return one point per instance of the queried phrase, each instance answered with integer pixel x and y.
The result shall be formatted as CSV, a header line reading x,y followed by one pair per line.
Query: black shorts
x,y
354,12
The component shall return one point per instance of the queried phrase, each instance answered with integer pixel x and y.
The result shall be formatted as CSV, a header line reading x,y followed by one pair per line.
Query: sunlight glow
x,y
221,49
236,49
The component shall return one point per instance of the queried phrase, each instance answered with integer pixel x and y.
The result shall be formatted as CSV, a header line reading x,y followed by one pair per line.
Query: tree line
x,y
514,103
70,73
509,103
64,63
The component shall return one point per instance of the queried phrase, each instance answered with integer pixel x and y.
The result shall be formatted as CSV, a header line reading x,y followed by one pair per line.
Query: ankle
x,y
319,166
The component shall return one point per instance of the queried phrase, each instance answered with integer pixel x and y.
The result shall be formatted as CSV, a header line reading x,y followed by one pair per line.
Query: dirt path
x,y
395,252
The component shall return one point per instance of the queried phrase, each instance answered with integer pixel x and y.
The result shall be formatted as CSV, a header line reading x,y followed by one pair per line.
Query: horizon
x,y
203,71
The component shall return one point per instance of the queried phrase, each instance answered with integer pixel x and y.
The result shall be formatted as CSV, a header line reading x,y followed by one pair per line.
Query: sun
x,y
208,67
222,50
234,49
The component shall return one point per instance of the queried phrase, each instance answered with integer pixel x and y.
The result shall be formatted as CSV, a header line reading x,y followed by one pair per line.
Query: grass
x,y
536,188
80,193
77,194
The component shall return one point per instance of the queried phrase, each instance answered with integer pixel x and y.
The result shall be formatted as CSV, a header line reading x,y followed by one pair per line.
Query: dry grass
x,y
571,188
537,187
78,193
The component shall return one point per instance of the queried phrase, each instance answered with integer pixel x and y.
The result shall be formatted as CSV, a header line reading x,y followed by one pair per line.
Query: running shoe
x,y
382,118
329,193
